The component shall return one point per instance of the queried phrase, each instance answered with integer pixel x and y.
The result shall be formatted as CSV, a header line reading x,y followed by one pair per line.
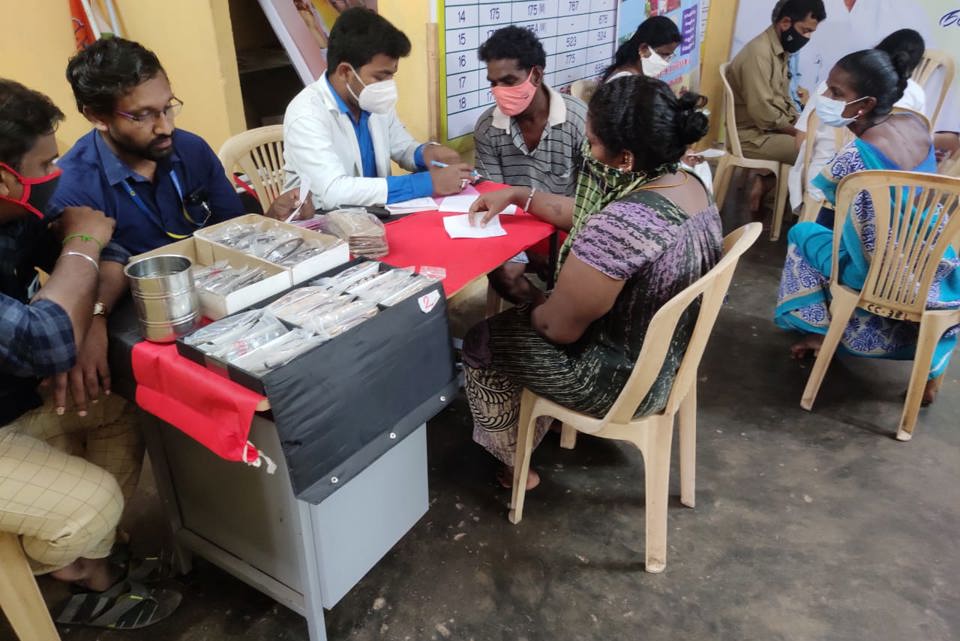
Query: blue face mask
x,y
830,111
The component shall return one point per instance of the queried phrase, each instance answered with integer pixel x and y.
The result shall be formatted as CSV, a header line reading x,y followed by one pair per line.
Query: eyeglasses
x,y
150,116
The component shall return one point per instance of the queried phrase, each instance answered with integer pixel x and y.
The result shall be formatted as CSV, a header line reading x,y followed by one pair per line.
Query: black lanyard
x,y
155,217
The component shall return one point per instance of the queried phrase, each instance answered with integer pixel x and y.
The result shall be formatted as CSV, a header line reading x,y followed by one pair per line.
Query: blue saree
x,y
803,302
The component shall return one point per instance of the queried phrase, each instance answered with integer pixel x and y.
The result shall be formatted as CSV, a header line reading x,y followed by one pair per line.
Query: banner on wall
x,y
303,28
690,17
852,25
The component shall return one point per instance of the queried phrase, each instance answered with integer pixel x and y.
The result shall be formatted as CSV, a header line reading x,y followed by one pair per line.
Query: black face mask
x,y
792,41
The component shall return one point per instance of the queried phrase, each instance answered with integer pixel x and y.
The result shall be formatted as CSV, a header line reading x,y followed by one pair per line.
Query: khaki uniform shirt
x,y
761,87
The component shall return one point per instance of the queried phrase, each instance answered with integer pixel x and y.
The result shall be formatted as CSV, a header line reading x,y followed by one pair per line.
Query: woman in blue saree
x,y
861,90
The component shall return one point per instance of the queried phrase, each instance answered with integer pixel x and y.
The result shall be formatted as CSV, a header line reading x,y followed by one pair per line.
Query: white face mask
x,y
377,97
654,65
830,111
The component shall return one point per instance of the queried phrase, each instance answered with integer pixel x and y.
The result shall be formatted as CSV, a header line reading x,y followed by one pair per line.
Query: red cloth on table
x,y
207,407
420,239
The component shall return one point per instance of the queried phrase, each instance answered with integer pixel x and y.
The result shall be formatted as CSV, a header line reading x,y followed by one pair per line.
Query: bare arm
x,y
583,294
551,208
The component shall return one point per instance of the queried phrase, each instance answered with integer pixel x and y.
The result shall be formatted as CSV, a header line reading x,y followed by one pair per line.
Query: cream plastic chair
x,y
898,281
932,61
950,166
734,158
20,598
651,434
811,206
584,89
258,153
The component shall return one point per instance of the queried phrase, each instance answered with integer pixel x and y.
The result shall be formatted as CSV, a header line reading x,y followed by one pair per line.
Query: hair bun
x,y
901,64
692,123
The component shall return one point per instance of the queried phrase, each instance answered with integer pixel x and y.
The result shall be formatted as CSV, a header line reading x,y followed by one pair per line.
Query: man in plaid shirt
x,y
64,508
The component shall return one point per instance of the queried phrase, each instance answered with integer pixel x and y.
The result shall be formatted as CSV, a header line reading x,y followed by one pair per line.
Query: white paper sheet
x,y
711,153
460,227
417,204
462,202
301,196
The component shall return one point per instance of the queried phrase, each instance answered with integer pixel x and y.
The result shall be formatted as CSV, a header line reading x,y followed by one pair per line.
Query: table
x,y
249,523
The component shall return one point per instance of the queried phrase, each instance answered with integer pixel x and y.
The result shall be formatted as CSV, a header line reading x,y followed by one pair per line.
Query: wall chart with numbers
x,y
579,37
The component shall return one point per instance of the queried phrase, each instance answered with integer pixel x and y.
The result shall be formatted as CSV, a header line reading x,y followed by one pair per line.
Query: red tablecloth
x,y
209,408
420,239
217,412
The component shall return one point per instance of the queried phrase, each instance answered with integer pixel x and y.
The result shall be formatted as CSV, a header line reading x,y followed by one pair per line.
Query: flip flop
x,y
125,606
147,569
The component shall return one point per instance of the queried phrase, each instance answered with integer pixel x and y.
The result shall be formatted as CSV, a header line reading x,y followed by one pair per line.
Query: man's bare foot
x,y
762,184
93,574
505,478
809,345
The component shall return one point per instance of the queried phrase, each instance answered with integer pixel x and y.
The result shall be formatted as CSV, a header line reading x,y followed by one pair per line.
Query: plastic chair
x,y
584,89
258,153
908,252
810,206
651,434
932,61
20,598
950,166
734,158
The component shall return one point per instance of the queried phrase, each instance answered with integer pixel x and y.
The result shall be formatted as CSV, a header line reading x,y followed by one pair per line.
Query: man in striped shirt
x,y
530,138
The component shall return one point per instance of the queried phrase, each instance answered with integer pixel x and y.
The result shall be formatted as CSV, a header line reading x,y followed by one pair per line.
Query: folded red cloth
x,y
207,407
420,239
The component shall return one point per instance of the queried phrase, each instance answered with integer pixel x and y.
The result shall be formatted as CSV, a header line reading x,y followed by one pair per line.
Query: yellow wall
x,y
716,50
192,38
411,17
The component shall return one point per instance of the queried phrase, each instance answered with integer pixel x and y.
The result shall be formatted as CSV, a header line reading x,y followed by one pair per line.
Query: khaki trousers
x,y
63,480
779,147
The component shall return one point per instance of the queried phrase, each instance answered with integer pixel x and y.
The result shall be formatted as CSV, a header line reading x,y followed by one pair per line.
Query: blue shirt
x,y
399,188
93,176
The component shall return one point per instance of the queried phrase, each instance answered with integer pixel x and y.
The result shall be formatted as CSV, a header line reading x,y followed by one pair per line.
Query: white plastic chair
x,y
653,434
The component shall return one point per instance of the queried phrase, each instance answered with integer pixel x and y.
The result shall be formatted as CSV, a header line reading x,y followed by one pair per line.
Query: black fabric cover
x,y
336,406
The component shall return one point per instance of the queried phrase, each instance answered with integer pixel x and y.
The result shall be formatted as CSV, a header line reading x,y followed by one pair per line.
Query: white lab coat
x,y
320,142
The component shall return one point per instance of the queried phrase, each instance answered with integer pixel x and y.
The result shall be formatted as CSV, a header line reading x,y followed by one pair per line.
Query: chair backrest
x,y
584,89
729,114
712,286
934,59
950,166
258,153
917,217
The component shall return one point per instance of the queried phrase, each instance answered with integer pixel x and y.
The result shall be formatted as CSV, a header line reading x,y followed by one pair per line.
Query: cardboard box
x,y
308,269
217,306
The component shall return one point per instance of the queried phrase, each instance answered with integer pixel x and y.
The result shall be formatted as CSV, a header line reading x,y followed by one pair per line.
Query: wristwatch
x,y
99,309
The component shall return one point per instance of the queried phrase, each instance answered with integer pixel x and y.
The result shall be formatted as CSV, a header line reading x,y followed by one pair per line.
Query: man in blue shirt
x,y
341,132
65,509
159,184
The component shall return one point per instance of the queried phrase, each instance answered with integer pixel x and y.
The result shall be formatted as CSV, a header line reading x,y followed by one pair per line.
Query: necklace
x,y
682,182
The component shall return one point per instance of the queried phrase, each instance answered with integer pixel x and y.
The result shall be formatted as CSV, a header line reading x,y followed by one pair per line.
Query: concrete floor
x,y
808,526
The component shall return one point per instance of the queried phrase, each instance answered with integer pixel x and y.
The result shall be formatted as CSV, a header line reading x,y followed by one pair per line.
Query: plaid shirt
x,y
35,340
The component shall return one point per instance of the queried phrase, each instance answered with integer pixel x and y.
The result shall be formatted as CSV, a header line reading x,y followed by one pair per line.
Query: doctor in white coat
x,y
341,132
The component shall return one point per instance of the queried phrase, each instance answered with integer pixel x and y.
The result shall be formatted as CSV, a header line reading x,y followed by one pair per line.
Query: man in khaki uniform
x,y
760,80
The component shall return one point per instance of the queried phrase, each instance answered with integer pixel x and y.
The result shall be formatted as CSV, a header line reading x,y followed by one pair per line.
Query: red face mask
x,y
36,191
512,101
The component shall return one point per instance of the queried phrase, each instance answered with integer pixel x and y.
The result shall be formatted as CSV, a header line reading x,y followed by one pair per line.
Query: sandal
x,y
147,569
125,606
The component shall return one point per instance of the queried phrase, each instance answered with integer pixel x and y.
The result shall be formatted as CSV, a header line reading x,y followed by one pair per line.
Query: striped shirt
x,y
502,154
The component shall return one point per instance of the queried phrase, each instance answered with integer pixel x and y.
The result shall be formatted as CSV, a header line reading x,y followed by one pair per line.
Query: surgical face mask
x,y
654,65
792,41
514,100
830,111
377,97
36,191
